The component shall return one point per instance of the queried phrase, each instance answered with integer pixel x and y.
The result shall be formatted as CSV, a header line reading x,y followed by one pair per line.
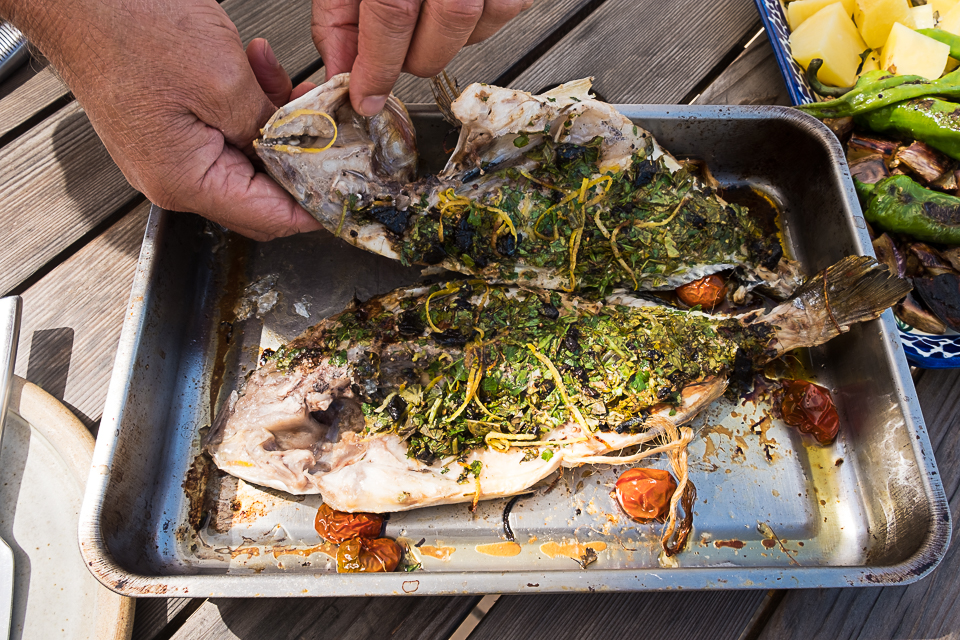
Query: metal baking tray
x,y
158,519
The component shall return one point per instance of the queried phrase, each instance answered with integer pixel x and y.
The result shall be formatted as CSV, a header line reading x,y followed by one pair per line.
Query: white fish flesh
x,y
438,395
557,191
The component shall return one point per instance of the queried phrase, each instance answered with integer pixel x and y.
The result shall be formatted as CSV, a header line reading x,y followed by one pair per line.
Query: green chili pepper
x,y
930,120
878,89
818,87
946,38
900,205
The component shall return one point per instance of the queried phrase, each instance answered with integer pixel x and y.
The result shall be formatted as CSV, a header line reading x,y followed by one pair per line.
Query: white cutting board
x,y
43,469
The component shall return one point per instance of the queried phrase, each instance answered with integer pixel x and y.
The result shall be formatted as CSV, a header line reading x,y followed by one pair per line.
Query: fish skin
x,y
298,424
343,189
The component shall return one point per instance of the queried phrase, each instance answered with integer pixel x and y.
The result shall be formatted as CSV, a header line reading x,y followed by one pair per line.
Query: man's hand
x,y
175,99
377,39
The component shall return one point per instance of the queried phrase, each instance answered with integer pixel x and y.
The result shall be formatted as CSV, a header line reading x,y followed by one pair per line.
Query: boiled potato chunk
x,y
875,18
829,34
799,10
923,16
941,7
910,53
950,21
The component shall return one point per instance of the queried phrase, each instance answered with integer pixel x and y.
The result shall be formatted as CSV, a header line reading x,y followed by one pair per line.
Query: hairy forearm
x,y
51,26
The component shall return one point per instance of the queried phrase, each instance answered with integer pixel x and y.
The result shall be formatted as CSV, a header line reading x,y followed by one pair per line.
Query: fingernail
x,y
371,105
268,55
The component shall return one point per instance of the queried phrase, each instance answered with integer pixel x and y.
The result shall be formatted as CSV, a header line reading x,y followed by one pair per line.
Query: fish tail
x,y
855,289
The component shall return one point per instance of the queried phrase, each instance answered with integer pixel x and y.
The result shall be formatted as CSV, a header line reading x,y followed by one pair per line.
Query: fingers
x,y
497,13
270,75
205,175
230,97
334,26
386,28
442,29
250,203
377,39
301,89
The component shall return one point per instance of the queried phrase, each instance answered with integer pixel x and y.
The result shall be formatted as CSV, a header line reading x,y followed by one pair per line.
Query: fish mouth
x,y
296,143
323,119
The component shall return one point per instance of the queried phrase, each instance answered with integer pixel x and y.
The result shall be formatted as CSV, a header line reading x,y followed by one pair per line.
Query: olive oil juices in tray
x,y
773,510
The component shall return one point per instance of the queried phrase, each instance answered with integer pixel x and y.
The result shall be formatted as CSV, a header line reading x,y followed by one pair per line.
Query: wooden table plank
x,y
286,25
155,617
487,61
927,609
421,618
72,318
650,616
635,53
753,78
60,182
26,93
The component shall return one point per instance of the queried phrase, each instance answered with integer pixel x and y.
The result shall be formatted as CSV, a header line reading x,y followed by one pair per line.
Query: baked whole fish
x,y
557,191
466,391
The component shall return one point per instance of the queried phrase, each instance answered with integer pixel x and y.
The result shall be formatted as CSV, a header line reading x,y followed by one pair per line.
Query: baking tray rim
x,y
111,574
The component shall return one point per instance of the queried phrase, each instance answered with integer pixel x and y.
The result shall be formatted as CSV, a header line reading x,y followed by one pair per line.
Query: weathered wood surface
x,y
60,182
645,50
652,616
407,618
285,24
29,91
489,60
72,318
159,617
753,78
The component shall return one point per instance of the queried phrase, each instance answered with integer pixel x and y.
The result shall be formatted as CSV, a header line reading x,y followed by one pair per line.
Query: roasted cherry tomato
x,y
337,526
365,555
645,493
707,292
810,408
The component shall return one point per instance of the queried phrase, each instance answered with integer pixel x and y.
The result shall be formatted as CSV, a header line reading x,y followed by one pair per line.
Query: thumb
x,y
237,106
386,29
269,73
247,202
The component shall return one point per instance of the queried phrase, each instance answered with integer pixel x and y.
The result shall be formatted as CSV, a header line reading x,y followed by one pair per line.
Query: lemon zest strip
x,y
445,291
651,225
560,385
616,252
288,148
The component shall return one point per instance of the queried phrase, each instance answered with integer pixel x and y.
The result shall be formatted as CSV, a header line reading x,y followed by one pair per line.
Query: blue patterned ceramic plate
x,y
922,349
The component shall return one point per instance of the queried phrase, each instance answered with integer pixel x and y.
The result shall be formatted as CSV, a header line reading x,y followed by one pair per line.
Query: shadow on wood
x,y
49,364
51,351
399,618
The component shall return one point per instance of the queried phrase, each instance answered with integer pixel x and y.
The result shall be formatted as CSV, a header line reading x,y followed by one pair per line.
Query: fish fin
x,y
445,90
855,289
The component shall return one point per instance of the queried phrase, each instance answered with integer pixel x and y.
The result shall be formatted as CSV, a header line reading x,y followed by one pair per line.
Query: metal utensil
x,y
9,334
13,49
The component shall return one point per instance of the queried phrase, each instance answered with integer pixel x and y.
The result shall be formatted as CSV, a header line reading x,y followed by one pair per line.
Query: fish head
x,y
325,153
